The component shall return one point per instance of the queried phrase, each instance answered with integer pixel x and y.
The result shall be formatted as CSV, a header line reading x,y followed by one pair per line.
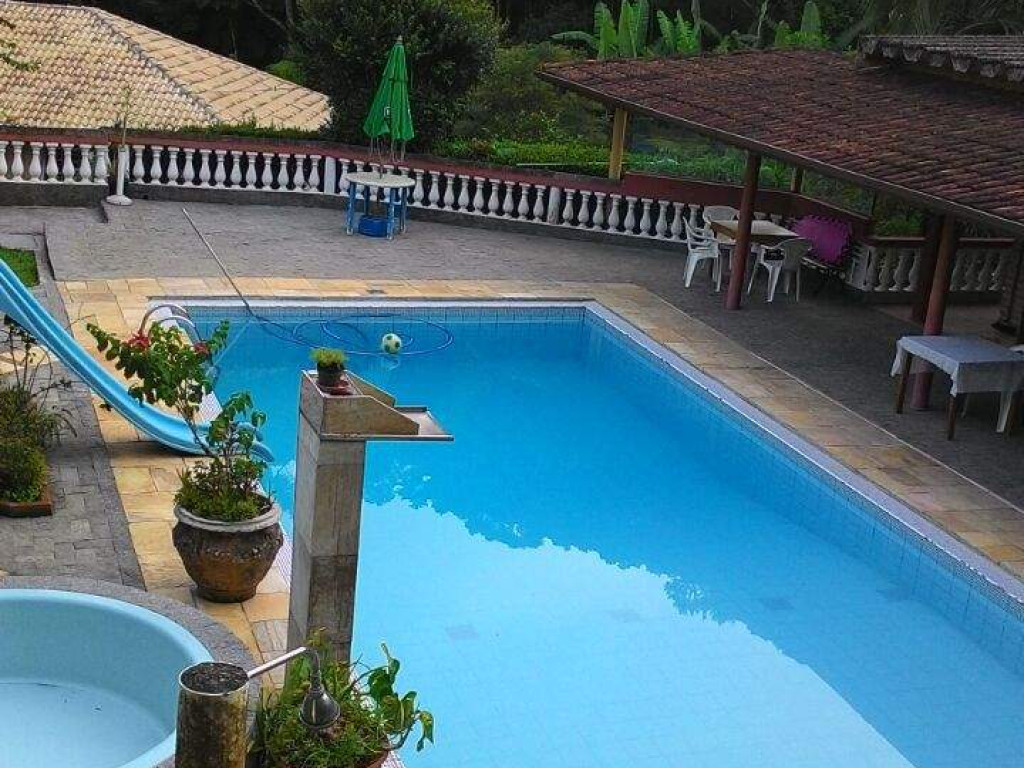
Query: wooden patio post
x,y
948,240
742,248
926,273
618,149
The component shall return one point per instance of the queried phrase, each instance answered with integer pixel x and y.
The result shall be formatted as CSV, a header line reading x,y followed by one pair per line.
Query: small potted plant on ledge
x,y
330,371
29,422
228,530
375,719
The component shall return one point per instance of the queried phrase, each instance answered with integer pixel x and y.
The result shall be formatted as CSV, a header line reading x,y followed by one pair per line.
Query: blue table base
x,y
396,207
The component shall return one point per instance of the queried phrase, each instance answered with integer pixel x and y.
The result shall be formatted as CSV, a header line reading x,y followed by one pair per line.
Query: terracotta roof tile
x,y
85,58
924,137
998,57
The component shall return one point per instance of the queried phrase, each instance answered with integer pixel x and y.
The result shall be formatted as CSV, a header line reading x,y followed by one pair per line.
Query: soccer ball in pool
x,y
391,343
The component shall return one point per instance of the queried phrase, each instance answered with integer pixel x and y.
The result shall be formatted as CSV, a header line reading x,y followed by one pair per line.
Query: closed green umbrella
x,y
390,115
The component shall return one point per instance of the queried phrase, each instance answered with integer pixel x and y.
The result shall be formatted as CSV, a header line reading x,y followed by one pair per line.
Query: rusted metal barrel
x,y
212,708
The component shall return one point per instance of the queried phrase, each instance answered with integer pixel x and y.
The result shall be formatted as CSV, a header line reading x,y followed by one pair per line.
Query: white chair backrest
x,y
719,213
698,238
793,252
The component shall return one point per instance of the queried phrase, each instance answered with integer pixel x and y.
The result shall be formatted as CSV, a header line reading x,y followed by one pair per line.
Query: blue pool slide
x,y
18,302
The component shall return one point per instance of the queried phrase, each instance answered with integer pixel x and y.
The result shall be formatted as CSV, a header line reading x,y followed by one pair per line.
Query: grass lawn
x,y
23,263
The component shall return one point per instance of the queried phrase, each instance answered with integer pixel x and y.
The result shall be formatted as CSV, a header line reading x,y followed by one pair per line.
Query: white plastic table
x,y
397,189
972,364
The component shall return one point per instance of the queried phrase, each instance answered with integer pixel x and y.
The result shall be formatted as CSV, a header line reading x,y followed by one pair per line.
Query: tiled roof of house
x,y
85,59
999,57
946,145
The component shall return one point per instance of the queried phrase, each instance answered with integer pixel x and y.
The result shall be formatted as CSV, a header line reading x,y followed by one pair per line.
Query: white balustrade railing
x,y
894,269
54,162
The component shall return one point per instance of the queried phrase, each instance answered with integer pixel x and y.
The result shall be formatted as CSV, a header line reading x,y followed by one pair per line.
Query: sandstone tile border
x,y
146,477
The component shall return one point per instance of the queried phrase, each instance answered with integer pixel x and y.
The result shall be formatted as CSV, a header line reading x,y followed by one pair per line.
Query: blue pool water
x,y
610,568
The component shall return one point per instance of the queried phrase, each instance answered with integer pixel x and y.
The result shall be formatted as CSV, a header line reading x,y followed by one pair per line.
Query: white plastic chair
x,y
702,246
784,258
719,213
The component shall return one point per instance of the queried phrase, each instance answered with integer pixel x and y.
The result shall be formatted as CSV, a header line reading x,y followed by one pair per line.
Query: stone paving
x,y
778,356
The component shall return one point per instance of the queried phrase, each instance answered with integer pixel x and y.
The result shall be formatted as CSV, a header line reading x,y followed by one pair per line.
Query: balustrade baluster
x,y
3,160
50,168
448,201
314,173
463,192
17,161
613,213
188,171
494,199
522,210
219,174
903,263
583,218
138,167
478,194
282,171
645,218
676,229
568,208
204,167
599,210
235,176
156,172
434,197
508,199
661,227
267,173
299,179
35,168
629,223
67,167
102,169
538,202
173,170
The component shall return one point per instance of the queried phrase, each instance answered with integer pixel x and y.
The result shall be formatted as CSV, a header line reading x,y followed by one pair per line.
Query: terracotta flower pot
x,y
329,377
227,561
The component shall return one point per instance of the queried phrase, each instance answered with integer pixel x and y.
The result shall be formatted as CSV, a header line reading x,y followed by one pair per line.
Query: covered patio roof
x,y
948,146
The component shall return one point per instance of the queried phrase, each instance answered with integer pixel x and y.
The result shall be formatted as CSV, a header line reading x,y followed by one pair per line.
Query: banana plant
x,y
678,36
624,38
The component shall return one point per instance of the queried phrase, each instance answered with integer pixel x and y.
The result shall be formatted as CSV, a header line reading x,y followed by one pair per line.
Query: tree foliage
x,y
342,47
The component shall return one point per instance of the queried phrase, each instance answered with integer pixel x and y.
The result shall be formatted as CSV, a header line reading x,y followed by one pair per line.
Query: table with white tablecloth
x,y
972,364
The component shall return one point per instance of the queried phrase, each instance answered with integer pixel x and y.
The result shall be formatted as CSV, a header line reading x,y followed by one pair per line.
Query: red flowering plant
x,y
164,367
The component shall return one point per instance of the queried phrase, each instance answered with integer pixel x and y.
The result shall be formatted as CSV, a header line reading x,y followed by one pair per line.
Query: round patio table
x,y
395,187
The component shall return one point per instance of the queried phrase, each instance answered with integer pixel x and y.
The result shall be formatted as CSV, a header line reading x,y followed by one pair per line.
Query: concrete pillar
x,y
328,505
746,217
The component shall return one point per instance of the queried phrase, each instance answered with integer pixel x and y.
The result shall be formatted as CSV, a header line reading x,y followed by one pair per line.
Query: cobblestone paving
x,y
88,533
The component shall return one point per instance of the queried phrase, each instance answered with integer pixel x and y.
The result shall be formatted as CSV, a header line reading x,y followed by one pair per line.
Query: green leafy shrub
x,y
511,102
165,367
22,471
328,358
374,718
342,47
288,70
27,410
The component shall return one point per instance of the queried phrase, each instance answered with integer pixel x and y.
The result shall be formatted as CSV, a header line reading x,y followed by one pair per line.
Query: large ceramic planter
x,y
227,561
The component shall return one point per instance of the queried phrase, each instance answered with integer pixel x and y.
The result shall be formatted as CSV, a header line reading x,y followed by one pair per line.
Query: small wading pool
x,y
87,681
619,563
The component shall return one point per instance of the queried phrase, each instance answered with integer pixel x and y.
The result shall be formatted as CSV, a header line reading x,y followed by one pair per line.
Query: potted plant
x,y
330,367
29,422
375,719
23,491
228,530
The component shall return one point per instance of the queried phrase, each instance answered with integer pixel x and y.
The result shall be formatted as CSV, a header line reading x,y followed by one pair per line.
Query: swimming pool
x,y
613,566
